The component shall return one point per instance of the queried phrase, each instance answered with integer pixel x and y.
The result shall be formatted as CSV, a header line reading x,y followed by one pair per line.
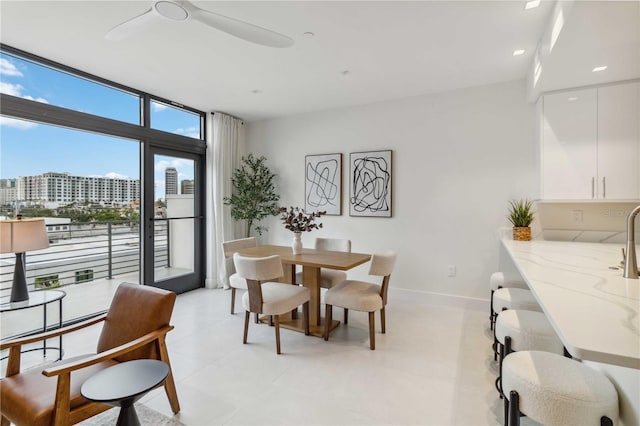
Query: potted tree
x,y
254,196
521,216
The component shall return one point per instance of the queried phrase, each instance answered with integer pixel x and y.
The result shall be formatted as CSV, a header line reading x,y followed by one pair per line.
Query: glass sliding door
x,y
174,220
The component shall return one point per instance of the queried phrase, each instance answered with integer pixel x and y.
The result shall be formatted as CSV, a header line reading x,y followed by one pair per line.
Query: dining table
x,y
311,261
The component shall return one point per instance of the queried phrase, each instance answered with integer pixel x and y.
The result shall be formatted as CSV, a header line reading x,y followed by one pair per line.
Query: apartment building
x,y
53,190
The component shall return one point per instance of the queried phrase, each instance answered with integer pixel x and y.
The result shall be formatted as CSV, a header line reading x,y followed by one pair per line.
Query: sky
x,y
28,148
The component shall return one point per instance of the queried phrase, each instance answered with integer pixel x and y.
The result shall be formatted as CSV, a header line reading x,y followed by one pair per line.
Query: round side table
x,y
123,384
39,298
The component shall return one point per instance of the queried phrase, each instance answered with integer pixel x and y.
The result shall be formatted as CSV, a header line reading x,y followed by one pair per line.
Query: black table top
x,y
126,380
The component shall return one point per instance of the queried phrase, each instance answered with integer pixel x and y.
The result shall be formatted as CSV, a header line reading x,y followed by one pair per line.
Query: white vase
x,y
296,246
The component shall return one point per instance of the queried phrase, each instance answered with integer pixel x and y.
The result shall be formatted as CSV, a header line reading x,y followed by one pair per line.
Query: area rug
x,y
146,415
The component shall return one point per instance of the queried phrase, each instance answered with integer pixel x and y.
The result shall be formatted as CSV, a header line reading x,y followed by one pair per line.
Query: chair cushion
x,y
357,295
529,331
506,280
28,398
278,298
514,298
268,268
328,277
555,390
236,281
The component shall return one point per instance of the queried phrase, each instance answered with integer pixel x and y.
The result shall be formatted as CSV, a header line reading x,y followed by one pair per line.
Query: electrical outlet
x,y
451,270
576,216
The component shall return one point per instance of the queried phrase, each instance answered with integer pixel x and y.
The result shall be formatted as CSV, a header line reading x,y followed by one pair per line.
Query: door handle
x,y
604,187
593,187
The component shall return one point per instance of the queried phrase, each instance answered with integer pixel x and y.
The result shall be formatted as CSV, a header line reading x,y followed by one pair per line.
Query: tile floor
x,y
434,366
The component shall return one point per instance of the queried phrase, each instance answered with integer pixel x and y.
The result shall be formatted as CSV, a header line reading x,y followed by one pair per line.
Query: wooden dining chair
x,y
135,327
268,297
363,296
235,280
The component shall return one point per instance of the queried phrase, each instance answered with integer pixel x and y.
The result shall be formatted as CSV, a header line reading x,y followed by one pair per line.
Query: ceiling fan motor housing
x,y
171,10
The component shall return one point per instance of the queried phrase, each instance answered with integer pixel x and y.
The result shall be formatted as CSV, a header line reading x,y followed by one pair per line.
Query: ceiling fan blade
x,y
131,27
240,29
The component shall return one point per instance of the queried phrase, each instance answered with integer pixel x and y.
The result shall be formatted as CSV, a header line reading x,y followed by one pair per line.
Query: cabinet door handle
x,y
604,187
593,187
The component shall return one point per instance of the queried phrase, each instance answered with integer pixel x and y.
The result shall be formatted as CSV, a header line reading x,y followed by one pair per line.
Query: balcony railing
x,y
82,252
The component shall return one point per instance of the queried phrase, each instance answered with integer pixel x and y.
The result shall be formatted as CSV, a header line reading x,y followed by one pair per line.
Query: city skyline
x,y
181,186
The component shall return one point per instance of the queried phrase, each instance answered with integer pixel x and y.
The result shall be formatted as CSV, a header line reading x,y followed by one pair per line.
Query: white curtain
x,y
223,157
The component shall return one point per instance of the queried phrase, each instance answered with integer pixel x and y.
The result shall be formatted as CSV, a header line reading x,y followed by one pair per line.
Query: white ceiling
x,y
391,49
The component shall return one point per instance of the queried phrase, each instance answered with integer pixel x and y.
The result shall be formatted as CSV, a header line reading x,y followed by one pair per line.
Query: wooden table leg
x,y
290,278
311,280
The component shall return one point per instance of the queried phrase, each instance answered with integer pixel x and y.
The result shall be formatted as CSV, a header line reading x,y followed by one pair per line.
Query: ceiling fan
x,y
183,10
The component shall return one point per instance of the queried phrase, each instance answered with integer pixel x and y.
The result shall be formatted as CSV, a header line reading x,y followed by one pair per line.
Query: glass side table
x,y
39,298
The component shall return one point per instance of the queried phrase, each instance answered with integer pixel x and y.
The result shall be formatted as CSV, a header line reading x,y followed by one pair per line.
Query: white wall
x,y
458,157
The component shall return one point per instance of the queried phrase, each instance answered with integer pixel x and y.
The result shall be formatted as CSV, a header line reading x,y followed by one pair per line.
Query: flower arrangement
x,y
296,220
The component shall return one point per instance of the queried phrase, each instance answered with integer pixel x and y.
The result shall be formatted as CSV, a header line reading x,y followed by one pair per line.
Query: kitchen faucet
x,y
631,261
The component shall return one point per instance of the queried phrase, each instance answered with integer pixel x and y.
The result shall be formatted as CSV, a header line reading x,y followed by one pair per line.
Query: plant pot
x,y
522,233
296,245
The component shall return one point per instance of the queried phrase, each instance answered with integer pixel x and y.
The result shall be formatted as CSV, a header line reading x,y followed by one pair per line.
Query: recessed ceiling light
x,y
597,69
531,4
308,34
256,91
573,98
518,52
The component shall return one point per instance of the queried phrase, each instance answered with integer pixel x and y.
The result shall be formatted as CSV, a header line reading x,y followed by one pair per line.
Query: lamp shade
x,y
22,235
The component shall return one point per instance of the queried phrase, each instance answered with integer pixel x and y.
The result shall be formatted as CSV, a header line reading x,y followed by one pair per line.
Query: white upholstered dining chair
x,y
267,297
329,277
235,280
362,295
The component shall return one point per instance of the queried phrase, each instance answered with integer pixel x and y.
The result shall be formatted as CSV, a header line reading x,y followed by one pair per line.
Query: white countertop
x,y
592,308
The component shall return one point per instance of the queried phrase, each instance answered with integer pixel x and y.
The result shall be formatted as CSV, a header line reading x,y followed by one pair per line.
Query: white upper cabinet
x,y
591,143
569,145
618,141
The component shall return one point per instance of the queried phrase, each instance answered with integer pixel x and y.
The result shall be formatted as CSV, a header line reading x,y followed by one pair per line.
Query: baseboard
x,y
440,299
212,283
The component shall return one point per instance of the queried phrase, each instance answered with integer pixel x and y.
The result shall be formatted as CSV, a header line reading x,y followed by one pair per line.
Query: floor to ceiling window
x,y
73,148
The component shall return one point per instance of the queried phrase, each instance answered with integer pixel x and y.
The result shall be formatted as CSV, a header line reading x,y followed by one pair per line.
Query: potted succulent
x,y
521,216
297,221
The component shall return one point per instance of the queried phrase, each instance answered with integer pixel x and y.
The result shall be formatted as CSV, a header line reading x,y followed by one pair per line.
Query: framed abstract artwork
x,y
323,183
370,181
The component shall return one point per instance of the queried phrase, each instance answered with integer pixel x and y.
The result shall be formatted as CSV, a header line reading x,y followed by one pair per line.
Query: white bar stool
x,y
511,298
555,390
518,330
502,280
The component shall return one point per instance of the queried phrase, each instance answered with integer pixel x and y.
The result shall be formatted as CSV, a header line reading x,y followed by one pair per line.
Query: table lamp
x,y
18,236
